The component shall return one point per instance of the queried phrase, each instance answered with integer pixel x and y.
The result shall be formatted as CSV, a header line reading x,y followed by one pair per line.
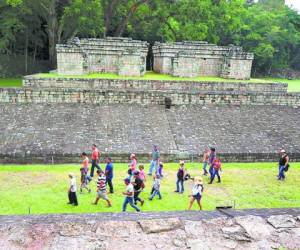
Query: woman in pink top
x,y
132,165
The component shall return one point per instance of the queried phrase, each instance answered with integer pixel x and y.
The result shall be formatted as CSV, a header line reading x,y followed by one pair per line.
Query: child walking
x,y
101,188
129,193
197,191
180,178
142,174
72,190
85,179
156,188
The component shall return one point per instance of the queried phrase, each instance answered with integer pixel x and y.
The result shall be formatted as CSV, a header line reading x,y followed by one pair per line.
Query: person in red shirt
x,y
215,171
95,159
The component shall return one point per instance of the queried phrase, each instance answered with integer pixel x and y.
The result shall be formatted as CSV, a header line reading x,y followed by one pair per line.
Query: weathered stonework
x,y
191,59
59,132
218,230
145,97
123,56
123,84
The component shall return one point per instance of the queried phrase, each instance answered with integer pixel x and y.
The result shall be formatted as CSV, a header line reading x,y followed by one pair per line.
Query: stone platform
x,y
60,132
53,120
262,229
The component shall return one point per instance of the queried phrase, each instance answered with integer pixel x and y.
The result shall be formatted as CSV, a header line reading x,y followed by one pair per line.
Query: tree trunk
x,y
26,51
52,32
109,8
130,13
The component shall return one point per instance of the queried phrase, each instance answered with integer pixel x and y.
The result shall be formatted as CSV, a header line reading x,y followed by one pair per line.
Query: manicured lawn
x,y
151,76
10,82
294,85
43,189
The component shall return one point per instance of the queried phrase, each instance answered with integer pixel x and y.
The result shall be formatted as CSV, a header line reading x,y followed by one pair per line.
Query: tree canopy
x,y
30,29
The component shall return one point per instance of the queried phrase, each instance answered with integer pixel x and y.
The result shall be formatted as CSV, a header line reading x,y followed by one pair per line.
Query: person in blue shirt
x,y
212,157
109,174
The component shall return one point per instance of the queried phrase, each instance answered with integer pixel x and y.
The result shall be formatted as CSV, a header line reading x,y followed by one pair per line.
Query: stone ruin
x,y
198,58
123,56
255,229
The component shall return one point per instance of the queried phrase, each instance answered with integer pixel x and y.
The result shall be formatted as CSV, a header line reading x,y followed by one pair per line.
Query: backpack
x,y
286,168
217,165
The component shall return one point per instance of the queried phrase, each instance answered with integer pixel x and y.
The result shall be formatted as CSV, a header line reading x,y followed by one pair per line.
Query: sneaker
x,y
142,202
176,191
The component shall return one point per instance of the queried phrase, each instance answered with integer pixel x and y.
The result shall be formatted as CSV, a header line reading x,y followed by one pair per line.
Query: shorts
x,y
197,197
102,195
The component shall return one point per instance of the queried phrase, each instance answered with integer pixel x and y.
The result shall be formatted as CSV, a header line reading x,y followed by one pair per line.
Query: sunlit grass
x,y
43,189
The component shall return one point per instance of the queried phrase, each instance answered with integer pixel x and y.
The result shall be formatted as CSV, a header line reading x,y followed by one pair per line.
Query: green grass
x,y
10,82
293,85
150,76
43,189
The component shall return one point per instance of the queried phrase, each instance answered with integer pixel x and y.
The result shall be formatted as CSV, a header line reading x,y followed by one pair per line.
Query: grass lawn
x,y
10,82
43,189
293,85
152,76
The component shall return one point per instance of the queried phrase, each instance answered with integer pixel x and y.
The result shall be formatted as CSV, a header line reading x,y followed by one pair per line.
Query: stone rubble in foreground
x,y
240,229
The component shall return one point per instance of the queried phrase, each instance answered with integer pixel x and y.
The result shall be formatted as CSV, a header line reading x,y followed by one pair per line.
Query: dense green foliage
x,y
43,189
30,29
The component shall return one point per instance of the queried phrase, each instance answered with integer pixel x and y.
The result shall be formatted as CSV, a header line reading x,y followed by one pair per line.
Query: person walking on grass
x,y
109,174
156,188
212,157
154,160
129,194
215,171
142,174
84,173
205,161
72,190
101,188
138,186
197,191
132,165
95,159
283,164
160,169
180,178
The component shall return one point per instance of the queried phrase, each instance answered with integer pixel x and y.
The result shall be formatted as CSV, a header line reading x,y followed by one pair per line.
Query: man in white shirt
x,y
129,196
72,190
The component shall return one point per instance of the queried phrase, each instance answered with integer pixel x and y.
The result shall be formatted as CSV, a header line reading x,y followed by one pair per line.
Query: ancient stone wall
x,y
60,132
191,59
106,96
262,229
123,56
96,83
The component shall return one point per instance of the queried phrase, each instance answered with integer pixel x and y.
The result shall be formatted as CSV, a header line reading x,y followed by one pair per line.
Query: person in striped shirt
x,y
101,188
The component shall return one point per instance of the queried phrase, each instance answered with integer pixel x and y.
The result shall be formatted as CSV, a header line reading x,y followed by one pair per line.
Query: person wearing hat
x,y
129,194
180,178
197,191
138,186
283,163
72,190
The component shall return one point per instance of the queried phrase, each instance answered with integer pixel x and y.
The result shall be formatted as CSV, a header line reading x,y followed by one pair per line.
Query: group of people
x,y
136,177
